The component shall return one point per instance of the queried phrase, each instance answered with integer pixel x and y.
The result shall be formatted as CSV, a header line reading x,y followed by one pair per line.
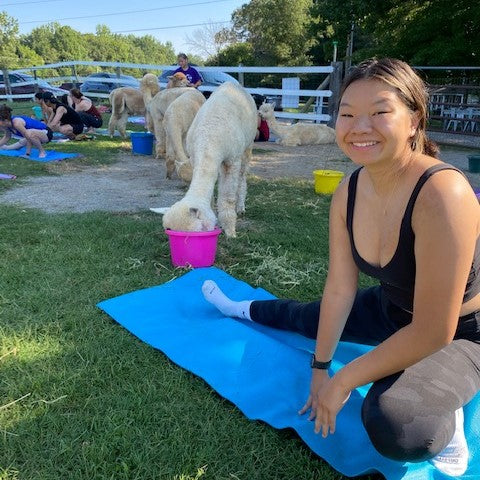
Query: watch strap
x,y
319,365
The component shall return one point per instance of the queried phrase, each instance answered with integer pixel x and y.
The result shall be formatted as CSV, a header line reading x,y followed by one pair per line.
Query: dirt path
x,y
137,183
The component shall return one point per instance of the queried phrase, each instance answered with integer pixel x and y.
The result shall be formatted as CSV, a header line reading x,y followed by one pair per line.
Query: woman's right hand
x,y
319,378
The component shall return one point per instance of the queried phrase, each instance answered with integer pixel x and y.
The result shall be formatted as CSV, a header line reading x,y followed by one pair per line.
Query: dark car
x,y
24,84
211,78
105,82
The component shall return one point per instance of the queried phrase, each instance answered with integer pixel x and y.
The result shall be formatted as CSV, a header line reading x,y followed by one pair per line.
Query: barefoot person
x,y
32,132
412,222
64,119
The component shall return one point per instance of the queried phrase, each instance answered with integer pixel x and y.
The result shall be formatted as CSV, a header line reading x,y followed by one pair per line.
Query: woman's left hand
x,y
330,399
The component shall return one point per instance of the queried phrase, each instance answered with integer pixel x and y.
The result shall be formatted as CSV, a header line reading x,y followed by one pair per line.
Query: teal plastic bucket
x,y
142,142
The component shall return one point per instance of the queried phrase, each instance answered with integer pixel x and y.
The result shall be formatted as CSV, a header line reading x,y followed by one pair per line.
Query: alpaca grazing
x,y
219,144
127,101
298,133
176,122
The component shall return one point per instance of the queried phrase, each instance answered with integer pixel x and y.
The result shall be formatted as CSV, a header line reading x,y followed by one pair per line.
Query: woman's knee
x,y
401,428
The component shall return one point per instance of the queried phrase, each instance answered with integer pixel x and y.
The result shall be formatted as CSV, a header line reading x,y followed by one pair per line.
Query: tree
x,y
210,39
432,32
240,52
276,29
8,41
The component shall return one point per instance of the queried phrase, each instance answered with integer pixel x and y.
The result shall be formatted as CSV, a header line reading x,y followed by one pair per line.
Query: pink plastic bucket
x,y
193,249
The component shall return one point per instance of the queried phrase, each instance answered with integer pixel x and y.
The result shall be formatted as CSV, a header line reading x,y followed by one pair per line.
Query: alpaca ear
x,y
194,212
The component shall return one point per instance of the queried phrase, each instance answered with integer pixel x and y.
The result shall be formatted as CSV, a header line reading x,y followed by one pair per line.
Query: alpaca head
x,y
266,110
149,82
178,79
190,215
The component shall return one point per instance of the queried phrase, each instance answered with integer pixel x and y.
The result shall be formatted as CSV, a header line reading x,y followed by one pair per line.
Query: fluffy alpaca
x,y
157,107
149,87
298,133
127,101
219,143
176,122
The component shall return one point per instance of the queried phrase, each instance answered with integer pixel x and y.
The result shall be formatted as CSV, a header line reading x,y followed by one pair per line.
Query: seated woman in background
x,y
33,133
263,132
89,114
65,119
413,223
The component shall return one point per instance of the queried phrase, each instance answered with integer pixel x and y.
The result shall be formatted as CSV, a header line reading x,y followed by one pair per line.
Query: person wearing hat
x,y
32,132
65,119
194,78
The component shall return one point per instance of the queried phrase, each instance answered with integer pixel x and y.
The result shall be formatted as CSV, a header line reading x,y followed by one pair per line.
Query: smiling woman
x,y
394,219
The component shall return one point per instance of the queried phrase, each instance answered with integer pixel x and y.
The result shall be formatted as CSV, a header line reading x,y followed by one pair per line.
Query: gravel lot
x,y
137,182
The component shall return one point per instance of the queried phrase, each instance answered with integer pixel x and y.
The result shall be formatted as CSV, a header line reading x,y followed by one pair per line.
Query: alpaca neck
x,y
203,182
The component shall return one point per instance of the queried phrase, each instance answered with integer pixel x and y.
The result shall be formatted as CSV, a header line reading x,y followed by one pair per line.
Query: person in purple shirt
x,y
194,78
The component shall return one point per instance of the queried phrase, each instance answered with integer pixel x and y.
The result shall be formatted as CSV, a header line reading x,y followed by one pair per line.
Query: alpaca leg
x,y
169,158
160,147
242,182
112,123
227,196
122,124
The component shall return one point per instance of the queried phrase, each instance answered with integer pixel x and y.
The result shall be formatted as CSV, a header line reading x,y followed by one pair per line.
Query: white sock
x,y
229,308
453,459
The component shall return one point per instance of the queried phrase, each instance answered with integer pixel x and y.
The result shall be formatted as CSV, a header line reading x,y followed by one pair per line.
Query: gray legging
x,y
409,416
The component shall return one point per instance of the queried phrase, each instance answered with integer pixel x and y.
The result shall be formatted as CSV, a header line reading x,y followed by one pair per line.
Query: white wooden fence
x,y
326,97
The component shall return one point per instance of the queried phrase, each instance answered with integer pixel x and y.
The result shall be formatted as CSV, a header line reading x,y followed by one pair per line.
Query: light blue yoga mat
x,y
52,155
241,360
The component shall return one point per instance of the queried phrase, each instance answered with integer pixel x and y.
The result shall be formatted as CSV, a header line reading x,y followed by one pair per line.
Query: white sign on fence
x,y
290,83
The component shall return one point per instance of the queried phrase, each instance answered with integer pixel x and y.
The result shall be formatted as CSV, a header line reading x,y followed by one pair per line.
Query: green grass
x,y
81,398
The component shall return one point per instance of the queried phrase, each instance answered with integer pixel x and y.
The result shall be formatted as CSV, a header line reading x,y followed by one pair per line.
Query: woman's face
x,y
373,124
182,62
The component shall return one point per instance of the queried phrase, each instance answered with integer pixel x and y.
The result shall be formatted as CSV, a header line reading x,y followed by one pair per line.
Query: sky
x,y
166,20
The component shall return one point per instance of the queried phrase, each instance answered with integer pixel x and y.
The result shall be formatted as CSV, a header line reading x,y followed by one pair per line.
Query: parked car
x,y
213,78
30,89
102,82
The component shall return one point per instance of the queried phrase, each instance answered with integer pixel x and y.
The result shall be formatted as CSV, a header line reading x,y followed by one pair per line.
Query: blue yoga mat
x,y
52,155
240,360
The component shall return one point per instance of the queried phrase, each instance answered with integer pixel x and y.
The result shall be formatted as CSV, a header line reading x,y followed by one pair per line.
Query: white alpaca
x,y
219,144
298,133
127,101
176,122
157,107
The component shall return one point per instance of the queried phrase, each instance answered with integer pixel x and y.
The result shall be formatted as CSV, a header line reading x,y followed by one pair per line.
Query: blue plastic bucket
x,y
142,142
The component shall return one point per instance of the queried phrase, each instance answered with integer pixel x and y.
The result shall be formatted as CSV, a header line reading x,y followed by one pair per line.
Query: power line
x,y
26,3
173,26
125,13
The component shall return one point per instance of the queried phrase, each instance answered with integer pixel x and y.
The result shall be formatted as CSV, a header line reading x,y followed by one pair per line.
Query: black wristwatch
x,y
319,365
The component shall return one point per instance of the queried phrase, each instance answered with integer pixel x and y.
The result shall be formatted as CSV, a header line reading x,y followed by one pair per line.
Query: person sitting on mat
x,y
412,222
33,133
65,119
89,114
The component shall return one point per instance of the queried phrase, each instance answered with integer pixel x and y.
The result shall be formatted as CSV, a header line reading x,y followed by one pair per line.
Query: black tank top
x,y
71,117
397,277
